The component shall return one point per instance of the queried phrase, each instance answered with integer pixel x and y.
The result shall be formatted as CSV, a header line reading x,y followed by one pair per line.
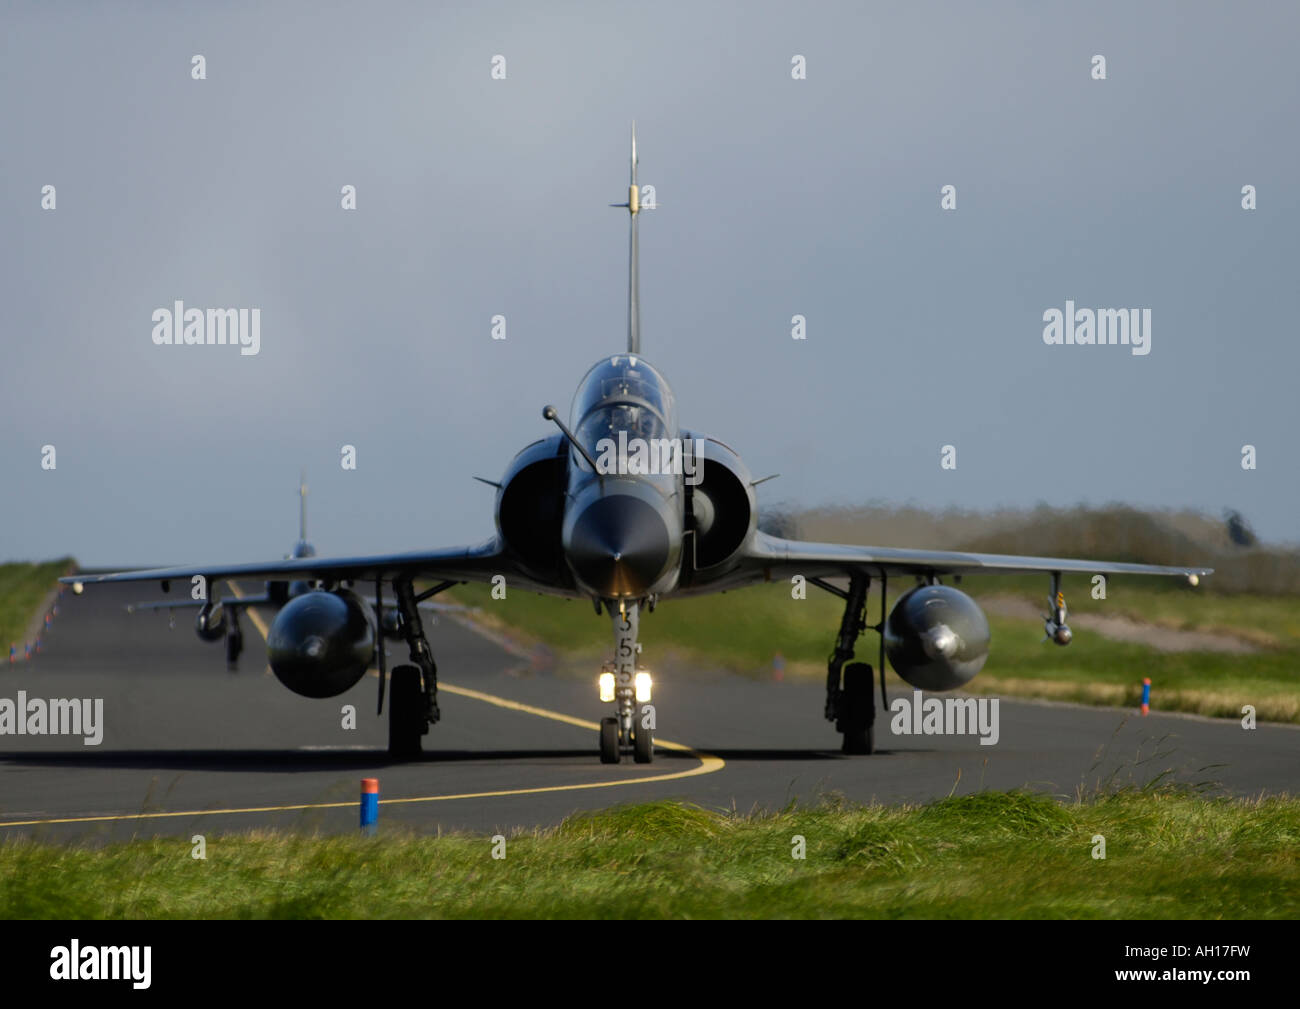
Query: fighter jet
x,y
218,618
625,507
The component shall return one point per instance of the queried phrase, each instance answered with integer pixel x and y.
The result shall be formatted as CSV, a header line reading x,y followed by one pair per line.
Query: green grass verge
x,y
23,588
743,631
1169,854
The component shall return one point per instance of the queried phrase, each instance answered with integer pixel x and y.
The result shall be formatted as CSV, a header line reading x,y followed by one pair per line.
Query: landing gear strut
x,y
413,705
624,731
850,702
234,639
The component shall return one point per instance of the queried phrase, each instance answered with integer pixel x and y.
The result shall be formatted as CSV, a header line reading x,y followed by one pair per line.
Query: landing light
x,y
78,588
606,686
643,684
1193,580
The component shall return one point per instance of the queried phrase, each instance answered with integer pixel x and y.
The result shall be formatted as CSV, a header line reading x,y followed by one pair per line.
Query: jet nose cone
x,y
618,546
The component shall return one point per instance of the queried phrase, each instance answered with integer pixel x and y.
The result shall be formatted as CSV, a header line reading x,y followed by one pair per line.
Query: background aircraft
x,y
575,519
218,616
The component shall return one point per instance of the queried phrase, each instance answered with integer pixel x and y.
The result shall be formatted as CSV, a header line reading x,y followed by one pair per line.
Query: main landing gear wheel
x,y
609,740
858,709
405,717
643,744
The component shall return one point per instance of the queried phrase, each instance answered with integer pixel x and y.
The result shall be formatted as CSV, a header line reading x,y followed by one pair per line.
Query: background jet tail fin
x,y
302,506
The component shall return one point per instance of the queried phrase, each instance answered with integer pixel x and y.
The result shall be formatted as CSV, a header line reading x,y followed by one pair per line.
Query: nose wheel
x,y
610,751
613,742
643,745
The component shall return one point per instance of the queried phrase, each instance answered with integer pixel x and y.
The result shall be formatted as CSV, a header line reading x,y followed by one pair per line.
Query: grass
x,y
743,631
23,588
1169,854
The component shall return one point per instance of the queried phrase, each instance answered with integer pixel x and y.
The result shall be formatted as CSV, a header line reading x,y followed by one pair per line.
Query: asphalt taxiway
x,y
189,748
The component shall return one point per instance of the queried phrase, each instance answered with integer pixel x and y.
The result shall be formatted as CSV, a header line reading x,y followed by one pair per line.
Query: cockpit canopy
x,y
622,394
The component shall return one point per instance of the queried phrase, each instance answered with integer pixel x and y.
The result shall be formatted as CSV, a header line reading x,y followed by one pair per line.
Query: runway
x,y
189,748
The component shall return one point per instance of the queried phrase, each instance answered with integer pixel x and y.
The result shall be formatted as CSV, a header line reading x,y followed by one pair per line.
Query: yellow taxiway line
x,y
708,764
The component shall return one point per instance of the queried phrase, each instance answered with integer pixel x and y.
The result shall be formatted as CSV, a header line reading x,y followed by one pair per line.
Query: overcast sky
x,y
478,197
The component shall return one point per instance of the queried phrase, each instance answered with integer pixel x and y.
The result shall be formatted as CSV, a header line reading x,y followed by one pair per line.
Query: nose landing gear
x,y
625,687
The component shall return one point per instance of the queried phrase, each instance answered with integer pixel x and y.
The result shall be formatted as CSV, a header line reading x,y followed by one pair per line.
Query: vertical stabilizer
x,y
633,206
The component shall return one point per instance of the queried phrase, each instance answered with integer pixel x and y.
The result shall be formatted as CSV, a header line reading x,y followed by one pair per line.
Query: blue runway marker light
x,y
1146,696
369,804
